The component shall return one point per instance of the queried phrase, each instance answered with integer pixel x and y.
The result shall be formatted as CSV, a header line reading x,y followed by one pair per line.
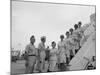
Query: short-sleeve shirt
x,y
67,40
42,49
70,43
61,45
77,33
53,54
41,46
30,49
62,52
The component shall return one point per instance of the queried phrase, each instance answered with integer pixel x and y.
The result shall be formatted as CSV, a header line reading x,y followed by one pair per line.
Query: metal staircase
x,y
87,50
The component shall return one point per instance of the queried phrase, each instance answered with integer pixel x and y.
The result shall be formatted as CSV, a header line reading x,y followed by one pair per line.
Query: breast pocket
x,y
32,50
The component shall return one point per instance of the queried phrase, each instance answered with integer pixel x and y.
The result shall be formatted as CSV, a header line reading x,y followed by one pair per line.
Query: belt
x,y
31,55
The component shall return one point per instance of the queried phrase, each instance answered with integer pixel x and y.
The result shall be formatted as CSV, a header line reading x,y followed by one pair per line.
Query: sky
x,y
44,19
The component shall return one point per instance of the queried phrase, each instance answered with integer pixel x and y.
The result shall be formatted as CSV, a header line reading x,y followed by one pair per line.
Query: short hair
x,y
79,22
61,36
53,42
67,32
71,29
75,26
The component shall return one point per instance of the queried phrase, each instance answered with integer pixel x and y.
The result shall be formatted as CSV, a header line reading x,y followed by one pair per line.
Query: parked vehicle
x,y
15,55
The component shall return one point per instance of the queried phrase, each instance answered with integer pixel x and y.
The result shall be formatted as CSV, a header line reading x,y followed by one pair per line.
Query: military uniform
x,y
77,36
62,52
62,56
67,45
53,59
31,60
42,48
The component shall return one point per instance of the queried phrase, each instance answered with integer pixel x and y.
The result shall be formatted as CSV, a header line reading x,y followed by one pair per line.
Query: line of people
x,y
44,59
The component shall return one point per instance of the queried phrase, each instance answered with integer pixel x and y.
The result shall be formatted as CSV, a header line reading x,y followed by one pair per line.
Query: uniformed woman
x,y
62,53
53,57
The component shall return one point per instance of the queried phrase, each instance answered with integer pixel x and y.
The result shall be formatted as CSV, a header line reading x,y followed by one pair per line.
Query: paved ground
x,y
19,67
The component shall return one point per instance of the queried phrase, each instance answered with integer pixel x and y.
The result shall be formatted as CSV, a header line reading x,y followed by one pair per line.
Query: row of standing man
x,y
44,59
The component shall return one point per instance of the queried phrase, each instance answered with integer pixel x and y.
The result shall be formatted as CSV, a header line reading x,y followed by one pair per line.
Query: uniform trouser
x,y
42,59
52,65
42,64
38,65
31,64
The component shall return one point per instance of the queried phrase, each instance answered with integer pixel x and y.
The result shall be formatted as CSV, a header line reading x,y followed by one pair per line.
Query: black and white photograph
x,y
52,37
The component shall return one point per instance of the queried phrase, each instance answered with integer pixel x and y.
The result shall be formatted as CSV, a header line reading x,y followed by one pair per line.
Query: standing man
x,y
42,49
32,53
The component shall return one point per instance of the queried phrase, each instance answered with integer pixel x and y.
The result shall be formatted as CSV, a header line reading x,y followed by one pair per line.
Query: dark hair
x,y
71,29
79,22
75,26
67,32
42,39
61,36
53,42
